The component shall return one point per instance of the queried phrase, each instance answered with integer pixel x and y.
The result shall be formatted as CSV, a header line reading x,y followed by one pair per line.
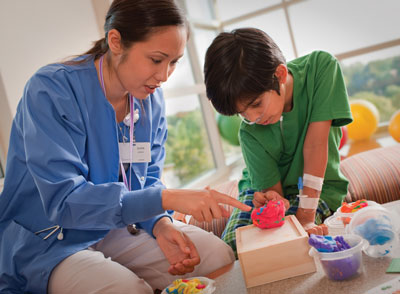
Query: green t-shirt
x,y
275,152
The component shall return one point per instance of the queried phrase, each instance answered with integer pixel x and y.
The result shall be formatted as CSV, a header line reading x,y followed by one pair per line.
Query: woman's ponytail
x,y
99,48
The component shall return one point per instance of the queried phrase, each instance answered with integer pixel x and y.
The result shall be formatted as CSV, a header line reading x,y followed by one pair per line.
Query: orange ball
x,y
365,120
394,126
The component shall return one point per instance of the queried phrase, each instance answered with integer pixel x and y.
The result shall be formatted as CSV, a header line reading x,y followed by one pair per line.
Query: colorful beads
x,y
354,206
185,286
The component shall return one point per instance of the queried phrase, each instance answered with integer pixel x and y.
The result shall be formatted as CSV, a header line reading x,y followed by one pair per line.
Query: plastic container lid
x,y
344,264
346,216
209,289
378,227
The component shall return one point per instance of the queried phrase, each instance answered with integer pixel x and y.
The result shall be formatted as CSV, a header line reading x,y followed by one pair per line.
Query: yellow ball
x,y
394,126
365,120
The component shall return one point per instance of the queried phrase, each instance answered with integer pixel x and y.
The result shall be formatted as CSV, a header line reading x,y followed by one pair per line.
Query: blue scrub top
x,y
63,169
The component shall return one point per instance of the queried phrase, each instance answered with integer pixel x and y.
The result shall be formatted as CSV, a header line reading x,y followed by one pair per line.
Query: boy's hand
x,y
306,218
312,228
260,198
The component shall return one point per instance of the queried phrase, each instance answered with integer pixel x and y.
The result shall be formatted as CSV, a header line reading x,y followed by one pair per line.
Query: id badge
x,y
140,152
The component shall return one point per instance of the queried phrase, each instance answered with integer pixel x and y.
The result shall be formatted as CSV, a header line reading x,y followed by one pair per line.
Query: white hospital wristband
x,y
313,182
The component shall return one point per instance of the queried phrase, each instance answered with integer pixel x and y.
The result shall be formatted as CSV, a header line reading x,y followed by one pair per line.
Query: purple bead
x,y
341,243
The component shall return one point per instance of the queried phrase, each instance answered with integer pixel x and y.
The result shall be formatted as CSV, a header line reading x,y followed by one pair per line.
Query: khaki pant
x,y
125,263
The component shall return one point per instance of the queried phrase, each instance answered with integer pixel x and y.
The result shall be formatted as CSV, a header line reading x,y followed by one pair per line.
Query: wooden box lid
x,y
250,238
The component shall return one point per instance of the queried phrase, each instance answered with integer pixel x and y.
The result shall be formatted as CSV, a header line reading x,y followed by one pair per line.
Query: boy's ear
x,y
114,42
281,73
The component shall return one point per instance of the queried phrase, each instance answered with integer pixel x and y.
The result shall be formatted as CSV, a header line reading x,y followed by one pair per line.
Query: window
x,y
375,77
364,37
188,150
358,40
203,39
231,9
341,26
199,9
362,34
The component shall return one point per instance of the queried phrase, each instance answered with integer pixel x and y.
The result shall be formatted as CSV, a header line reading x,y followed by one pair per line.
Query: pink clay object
x,y
271,215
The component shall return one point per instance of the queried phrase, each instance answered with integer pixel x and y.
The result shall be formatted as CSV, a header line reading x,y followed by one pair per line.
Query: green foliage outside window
x,y
187,146
377,82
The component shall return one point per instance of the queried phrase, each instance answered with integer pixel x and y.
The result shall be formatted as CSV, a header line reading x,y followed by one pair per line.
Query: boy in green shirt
x,y
292,114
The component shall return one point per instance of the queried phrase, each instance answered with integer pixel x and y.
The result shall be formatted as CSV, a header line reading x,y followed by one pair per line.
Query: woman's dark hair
x,y
136,20
240,66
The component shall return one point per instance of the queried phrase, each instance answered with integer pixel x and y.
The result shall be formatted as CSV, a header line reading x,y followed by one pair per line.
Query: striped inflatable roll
x,y
373,175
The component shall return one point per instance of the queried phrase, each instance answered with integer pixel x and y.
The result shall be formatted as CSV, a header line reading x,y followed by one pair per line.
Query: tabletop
x,y
373,274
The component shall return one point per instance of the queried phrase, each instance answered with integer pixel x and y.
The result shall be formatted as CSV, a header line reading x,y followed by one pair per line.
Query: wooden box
x,y
268,255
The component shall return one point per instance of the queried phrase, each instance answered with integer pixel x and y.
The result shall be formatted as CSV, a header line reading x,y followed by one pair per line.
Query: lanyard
x,y
131,127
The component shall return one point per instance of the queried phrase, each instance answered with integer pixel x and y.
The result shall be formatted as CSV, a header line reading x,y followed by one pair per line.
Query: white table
x,y
374,274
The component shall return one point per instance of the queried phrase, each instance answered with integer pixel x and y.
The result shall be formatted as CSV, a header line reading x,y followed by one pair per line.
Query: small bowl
x,y
347,216
335,225
209,289
344,264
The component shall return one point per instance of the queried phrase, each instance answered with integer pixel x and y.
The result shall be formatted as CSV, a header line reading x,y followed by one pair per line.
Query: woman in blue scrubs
x,y
85,160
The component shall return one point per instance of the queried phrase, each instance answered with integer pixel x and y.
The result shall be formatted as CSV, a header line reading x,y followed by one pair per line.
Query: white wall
x,y
35,33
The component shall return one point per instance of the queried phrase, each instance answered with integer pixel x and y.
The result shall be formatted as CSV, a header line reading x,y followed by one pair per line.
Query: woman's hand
x,y
260,198
203,205
176,246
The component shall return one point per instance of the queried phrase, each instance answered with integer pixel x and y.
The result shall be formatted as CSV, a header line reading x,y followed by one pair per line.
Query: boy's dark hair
x,y
240,66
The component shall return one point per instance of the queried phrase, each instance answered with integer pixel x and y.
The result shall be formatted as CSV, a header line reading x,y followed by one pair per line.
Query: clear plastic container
x,y
344,264
378,226
346,216
335,225
209,289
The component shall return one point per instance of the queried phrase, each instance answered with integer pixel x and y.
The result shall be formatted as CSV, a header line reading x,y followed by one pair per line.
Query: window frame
x,y
222,169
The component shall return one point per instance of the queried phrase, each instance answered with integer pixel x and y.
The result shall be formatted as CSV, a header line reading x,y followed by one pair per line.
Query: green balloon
x,y
228,127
